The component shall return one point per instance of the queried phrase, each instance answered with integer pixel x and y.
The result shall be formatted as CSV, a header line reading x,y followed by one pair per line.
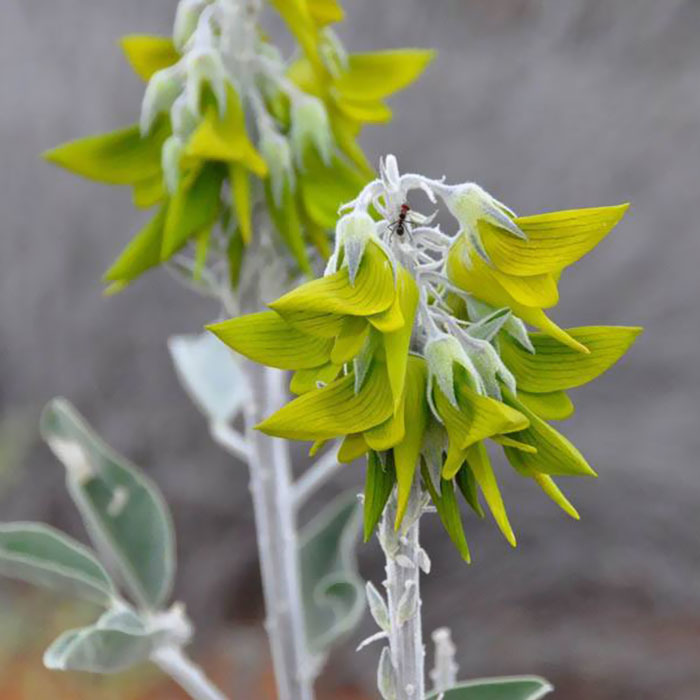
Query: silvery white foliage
x,y
386,676
512,325
408,603
210,374
276,151
377,606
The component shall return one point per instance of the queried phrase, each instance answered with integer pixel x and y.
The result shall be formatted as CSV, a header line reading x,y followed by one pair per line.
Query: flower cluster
x,y
228,126
413,346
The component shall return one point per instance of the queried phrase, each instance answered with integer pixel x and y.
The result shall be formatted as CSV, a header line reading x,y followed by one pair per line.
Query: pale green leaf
x,y
44,556
332,590
210,374
503,688
123,510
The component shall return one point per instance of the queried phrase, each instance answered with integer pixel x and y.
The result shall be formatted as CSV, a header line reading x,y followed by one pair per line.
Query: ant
x,y
399,227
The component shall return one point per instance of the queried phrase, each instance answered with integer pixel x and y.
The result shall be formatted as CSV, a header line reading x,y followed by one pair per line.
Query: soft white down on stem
x,y
273,502
173,662
404,679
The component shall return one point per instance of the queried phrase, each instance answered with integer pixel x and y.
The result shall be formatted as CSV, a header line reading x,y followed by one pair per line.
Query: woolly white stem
x,y
403,557
190,677
272,490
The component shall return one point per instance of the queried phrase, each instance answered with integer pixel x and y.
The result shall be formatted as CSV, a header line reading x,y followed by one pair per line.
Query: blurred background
x,y
549,104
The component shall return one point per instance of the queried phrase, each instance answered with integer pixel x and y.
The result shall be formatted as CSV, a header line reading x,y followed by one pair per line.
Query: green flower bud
x,y
469,204
162,90
352,233
205,66
183,121
278,155
442,352
310,127
170,161
489,365
186,18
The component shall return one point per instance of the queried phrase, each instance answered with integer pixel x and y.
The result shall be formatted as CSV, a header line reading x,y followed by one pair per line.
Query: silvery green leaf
x,y
332,589
170,161
408,603
41,555
513,325
210,374
504,688
162,90
123,510
186,18
386,676
424,561
108,646
371,639
377,606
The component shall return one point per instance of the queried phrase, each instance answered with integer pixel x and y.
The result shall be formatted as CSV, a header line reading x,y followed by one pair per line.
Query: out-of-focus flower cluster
x,y
228,128
413,346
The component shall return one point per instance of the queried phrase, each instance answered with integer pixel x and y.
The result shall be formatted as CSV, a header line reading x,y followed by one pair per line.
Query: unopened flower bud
x,y
352,233
186,18
183,121
310,127
205,66
333,53
442,352
170,161
162,90
278,155
490,367
470,204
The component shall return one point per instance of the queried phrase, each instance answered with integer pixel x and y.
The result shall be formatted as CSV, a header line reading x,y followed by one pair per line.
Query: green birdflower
x,y
229,129
404,350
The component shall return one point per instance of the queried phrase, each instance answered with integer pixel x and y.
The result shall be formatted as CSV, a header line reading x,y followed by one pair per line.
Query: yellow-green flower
x,y
416,368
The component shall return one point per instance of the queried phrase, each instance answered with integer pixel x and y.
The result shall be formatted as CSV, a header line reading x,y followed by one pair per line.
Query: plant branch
x,y
272,490
173,662
231,440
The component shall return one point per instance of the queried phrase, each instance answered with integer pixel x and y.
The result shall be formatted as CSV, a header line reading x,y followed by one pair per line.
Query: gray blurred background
x,y
549,104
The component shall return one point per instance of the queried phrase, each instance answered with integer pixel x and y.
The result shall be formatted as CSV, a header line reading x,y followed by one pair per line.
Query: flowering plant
x,y
413,346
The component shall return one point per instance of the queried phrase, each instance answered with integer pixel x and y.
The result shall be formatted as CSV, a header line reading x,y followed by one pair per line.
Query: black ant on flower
x,y
400,226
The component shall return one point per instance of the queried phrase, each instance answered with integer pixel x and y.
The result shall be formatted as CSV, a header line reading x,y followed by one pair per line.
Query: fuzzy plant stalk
x,y
414,349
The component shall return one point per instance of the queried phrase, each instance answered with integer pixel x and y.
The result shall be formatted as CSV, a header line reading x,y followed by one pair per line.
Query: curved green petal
x,y
323,325
396,343
389,433
467,485
378,484
556,455
141,254
226,138
119,157
536,290
304,380
266,338
448,512
325,12
407,452
194,207
480,465
554,240
375,75
148,54
353,446
555,367
373,291
335,409
555,405
511,442
477,417
350,340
